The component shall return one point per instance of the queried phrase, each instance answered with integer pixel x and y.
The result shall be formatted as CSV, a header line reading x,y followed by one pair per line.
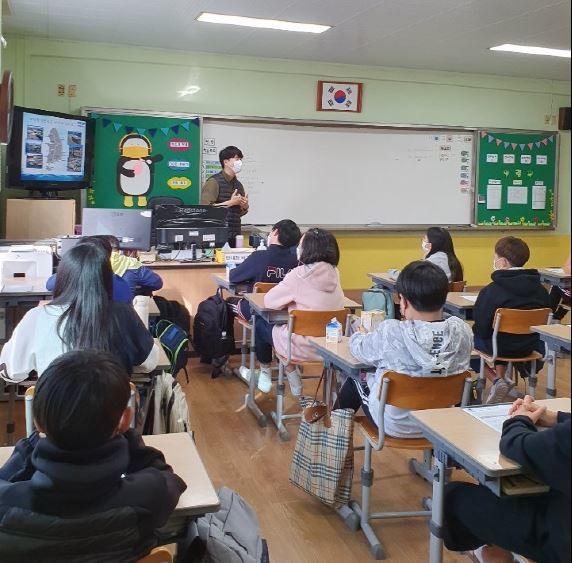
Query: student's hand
x,y
527,407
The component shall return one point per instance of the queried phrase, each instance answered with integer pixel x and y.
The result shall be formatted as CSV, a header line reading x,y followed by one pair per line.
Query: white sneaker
x,y
245,373
498,391
265,380
295,382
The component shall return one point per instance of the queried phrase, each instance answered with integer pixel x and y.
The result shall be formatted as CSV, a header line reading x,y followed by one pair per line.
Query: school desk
x,y
555,276
383,280
557,338
223,282
272,316
12,298
463,439
460,304
182,455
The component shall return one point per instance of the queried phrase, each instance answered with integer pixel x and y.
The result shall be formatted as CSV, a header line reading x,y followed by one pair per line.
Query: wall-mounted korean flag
x,y
339,96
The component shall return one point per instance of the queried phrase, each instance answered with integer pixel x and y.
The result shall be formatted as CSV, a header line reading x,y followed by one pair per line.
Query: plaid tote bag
x,y
323,460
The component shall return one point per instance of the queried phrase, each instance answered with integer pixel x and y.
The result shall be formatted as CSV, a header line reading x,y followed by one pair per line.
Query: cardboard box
x,y
39,218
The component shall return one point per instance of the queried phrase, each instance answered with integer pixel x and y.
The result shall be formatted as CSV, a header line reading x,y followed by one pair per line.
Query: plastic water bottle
x,y
261,246
334,331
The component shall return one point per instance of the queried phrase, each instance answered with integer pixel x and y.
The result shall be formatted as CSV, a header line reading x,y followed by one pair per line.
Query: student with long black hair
x,y
81,316
438,247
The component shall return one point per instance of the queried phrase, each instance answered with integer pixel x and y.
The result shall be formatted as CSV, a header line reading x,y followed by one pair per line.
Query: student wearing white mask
x,y
515,287
437,246
224,190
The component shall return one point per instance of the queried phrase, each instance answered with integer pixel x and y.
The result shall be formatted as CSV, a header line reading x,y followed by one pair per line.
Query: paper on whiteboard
x,y
517,195
492,415
538,197
494,193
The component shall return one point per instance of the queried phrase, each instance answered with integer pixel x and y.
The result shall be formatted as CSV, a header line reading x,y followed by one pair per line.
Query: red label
x,y
179,145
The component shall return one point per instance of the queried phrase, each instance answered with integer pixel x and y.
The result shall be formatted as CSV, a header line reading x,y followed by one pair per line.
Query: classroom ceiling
x,y
450,35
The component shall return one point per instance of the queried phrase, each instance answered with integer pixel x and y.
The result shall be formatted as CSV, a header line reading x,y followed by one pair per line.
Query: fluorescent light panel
x,y
266,24
529,50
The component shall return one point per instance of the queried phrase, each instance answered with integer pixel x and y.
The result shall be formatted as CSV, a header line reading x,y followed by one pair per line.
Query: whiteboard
x,y
348,175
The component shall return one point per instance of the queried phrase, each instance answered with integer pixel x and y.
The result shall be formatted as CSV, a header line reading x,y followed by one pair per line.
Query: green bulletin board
x,y
137,157
516,181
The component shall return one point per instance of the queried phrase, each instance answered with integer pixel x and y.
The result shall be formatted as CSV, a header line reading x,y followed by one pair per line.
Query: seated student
x,y
313,285
121,290
559,297
81,316
537,527
141,280
422,345
269,266
513,287
438,247
87,487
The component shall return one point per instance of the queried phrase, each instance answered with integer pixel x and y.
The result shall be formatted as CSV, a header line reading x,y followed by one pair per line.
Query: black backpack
x,y
213,329
173,311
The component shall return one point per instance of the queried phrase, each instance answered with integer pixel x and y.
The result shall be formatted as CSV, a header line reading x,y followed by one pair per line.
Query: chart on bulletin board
x,y
516,183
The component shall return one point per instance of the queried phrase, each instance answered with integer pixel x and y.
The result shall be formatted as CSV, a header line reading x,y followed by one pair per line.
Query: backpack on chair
x,y
213,330
376,298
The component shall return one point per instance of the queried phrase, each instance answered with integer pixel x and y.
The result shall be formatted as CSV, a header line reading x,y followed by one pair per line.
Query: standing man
x,y
224,190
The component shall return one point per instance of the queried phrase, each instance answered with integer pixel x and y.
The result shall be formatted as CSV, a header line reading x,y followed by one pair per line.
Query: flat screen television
x,y
49,151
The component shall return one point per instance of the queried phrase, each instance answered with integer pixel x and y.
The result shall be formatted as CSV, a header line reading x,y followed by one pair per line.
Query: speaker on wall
x,y
564,119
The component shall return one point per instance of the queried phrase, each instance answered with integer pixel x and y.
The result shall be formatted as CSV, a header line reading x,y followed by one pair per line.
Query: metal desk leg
x,y
249,398
436,525
551,375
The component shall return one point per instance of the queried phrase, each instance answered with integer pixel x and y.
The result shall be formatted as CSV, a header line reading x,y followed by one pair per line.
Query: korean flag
x,y
340,97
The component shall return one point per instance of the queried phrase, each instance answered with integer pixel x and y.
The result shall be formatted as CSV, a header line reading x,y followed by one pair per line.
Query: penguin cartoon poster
x,y
135,169
138,158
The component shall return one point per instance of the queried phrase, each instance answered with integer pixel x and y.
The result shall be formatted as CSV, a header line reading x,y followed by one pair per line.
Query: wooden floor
x,y
253,461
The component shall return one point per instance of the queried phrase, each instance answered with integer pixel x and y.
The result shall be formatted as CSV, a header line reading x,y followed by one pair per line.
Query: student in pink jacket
x,y
312,286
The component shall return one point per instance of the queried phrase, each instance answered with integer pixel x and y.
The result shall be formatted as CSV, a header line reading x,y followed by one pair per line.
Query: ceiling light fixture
x,y
261,23
529,50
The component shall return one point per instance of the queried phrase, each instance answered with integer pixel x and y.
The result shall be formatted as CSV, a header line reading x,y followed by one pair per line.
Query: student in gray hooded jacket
x,y
421,345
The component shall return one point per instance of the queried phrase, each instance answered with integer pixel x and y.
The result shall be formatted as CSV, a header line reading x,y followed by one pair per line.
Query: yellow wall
x,y
115,76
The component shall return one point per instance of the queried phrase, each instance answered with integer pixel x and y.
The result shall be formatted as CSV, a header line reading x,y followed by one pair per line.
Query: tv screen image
x,y
50,151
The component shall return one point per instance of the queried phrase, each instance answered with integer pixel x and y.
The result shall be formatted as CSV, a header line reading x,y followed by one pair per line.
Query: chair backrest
x,y
263,287
419,393
29,403
457,286
313,323
519,321
158,555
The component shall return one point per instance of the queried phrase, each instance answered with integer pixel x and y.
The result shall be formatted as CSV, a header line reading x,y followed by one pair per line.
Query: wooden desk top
x,y
338,352
559,332
463,432
175,265
257,301
384,276
181,453
459,299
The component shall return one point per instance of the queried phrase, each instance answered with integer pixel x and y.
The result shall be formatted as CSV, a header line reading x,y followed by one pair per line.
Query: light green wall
x,y
150,79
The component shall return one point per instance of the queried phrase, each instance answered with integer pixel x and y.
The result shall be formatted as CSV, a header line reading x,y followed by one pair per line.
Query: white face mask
x,y
495,265
298,252
237,166
268,240
426,246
